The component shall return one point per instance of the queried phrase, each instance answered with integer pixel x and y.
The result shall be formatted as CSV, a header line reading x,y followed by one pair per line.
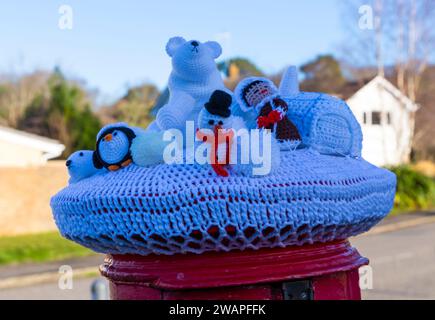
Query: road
x,y
402,262
50,291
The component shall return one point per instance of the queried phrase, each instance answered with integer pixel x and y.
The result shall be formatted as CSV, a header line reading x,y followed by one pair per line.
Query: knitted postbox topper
x,y
321,191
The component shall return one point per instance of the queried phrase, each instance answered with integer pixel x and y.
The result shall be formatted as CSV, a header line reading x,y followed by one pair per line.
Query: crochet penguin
x,y
216,117
113,147
80,165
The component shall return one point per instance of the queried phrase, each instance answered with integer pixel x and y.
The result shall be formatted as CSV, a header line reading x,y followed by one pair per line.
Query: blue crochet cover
x,y
172,209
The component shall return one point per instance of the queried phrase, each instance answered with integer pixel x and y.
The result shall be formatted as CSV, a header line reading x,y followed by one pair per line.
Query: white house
x,y
387,120
22,149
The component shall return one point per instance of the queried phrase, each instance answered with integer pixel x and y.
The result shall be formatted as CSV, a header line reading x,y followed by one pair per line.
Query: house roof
x,y
352,88
49,147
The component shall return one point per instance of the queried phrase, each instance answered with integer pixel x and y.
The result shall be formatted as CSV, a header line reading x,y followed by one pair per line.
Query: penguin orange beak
x,y
108,137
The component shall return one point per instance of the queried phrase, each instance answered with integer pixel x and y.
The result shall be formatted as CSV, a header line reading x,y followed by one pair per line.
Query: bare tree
x,y
358,48
18,93
379,35
400,66
403,36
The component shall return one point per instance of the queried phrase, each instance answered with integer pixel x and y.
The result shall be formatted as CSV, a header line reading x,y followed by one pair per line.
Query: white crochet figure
x,y
217,113
193,79
218,128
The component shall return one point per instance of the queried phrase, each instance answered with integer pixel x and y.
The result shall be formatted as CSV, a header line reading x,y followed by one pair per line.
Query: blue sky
x,y
116,44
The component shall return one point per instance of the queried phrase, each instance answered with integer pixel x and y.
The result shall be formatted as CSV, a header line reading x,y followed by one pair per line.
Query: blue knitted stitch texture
x,y
326,124
168,209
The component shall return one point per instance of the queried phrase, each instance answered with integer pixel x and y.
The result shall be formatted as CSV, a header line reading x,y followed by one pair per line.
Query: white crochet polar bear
x,y
193,79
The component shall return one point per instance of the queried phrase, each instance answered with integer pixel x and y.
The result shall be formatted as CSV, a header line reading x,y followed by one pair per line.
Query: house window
x,y
365,117
388,118
376,118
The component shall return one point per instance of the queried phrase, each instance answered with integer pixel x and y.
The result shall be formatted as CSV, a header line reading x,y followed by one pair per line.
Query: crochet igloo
x,y
322,190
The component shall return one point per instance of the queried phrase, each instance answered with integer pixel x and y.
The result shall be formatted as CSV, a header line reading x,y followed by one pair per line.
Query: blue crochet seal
x,y
169,209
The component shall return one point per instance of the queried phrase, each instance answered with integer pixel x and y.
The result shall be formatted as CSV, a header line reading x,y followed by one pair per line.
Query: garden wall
x,y
25,197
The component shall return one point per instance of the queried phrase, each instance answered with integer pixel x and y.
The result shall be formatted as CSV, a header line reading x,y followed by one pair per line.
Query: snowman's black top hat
x,y
219,104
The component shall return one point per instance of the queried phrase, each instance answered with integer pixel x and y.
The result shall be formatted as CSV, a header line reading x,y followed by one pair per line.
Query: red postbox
x,y
326,271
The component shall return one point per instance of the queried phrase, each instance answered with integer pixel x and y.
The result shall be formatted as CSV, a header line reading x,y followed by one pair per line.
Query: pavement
x,y
81,290
29,269
401,250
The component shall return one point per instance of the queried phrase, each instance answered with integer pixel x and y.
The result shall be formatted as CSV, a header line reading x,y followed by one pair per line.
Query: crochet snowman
x,y
217,127
260,97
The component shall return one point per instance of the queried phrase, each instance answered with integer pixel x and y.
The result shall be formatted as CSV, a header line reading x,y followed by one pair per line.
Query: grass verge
x,y
40,247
